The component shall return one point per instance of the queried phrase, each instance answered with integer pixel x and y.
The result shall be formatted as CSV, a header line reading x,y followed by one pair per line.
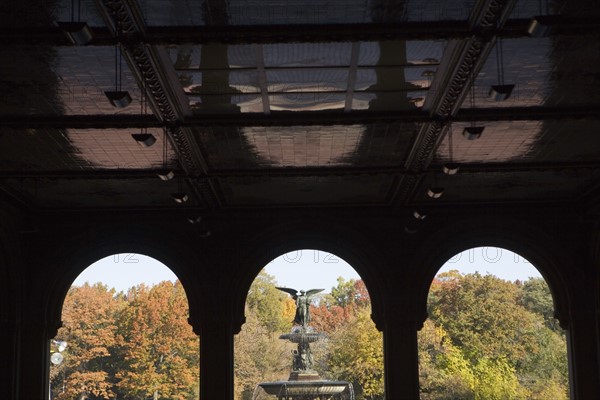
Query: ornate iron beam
x,y
462,61
125,19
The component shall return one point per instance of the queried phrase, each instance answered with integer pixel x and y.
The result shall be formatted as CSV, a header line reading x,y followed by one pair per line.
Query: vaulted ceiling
x,y
287,103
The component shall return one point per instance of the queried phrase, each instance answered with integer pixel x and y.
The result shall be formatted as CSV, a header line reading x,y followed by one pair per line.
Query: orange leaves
x,y
127,345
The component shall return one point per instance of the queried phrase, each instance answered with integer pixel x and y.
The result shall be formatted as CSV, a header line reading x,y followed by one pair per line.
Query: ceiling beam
x,y
305,33
284,118
292,172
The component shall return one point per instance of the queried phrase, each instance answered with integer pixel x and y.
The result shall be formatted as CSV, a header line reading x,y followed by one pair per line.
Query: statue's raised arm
x,y
302,304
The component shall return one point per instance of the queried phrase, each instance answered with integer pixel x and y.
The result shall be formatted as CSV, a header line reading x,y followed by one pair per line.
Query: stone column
x,y
34,353
9,365
216,359
582,345
401,359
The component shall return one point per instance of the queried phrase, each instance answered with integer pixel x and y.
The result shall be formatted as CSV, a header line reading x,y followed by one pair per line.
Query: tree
x,y
535,296
270,304
356,355
481,315
354,351
158,349
444,373
259,353
88,327
490,339
351,293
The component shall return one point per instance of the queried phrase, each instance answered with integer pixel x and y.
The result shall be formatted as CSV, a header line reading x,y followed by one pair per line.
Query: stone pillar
x,y
216,360
9,367
34,354
401,359
582,345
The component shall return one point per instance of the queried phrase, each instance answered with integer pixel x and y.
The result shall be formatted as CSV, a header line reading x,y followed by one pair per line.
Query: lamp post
x,y
57,358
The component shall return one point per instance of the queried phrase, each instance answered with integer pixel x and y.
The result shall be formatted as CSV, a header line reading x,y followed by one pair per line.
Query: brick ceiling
x,y
258,104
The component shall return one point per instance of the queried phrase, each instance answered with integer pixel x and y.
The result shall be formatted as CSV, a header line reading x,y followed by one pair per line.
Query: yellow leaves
x,y
289,309
356,353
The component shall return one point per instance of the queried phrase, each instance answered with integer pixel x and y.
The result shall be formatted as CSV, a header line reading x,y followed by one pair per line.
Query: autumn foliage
x,y
485,339
134,345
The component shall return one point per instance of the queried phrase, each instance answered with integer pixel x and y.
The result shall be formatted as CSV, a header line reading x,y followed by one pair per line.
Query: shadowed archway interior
x,y
216,135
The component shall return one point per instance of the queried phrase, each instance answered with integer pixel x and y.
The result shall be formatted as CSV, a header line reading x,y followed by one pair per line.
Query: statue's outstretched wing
x,y
313,291
293,292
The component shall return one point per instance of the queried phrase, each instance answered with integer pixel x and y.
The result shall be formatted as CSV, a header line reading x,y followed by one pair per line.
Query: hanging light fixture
x,y
119,98
419,214
450,167
411,230
194,220
78,32
165,174
542,25
179,196
473,132
144,138
501,91
435,192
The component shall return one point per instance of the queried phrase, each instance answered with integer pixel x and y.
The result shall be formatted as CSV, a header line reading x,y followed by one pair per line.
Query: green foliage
x,y
535,297
352,293
491,339
259,354
268,303
356,355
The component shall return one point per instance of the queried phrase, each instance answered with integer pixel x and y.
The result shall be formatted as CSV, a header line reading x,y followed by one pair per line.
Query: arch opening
x,y
340,315
491,331
125,334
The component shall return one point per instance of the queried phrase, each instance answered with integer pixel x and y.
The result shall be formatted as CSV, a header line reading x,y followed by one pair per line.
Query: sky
x,y
302,269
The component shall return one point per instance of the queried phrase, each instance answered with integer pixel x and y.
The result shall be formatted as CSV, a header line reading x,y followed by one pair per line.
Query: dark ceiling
x,y
284,103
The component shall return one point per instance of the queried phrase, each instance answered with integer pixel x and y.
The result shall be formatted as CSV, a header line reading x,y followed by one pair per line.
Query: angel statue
x,y
302,304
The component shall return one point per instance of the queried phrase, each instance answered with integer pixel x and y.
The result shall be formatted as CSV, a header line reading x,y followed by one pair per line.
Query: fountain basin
x,y
302,337
304,388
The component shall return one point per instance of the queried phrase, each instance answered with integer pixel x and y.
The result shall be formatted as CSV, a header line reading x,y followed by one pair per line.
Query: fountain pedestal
x,y
304,383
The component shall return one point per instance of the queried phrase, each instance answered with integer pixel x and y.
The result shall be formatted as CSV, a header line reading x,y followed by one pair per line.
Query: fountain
x,y
304,383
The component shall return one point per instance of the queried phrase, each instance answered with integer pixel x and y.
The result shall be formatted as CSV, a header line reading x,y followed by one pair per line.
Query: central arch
x,y
345,313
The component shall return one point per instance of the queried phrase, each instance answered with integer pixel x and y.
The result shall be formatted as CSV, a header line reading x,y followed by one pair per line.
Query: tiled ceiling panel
x,y
62,81
307,146
37,150
108,149
77,149
499,142
525,142
553,71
